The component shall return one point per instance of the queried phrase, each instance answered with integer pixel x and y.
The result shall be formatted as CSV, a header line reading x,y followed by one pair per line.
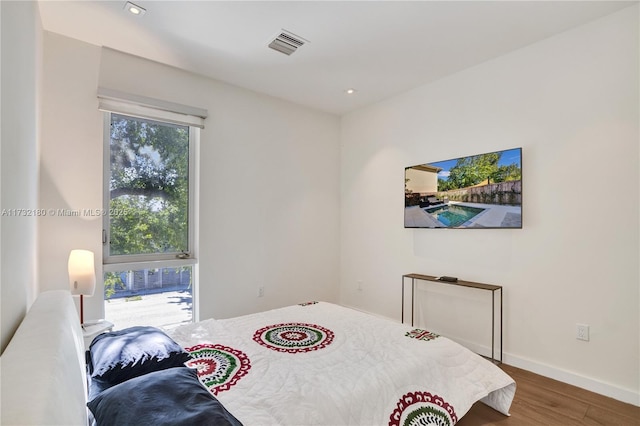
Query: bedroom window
x,y
149,250
148,221
149,191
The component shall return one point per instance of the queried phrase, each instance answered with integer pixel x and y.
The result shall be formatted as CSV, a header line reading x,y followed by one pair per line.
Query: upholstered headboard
x,y
42,369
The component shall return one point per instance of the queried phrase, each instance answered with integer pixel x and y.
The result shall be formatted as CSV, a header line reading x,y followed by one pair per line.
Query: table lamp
x,y
82,275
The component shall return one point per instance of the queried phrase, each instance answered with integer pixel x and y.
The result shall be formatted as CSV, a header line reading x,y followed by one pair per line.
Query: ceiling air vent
x,y
287,42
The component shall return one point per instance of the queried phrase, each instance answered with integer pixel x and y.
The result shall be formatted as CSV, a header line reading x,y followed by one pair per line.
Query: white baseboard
x,y
593,385
625,395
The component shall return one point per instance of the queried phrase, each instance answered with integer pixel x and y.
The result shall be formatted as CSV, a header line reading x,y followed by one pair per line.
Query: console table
x,y
479,286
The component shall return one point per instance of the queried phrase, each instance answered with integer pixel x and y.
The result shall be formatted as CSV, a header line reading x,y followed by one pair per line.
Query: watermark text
x,y
64,212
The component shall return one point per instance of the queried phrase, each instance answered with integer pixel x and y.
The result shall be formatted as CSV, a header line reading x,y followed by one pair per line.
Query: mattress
x,y
322,364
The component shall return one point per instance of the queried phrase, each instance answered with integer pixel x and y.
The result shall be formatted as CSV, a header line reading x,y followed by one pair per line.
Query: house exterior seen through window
x,y
160,297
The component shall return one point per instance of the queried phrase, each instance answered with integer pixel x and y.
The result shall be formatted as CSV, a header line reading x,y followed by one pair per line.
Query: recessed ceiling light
x,y
134,9
350,91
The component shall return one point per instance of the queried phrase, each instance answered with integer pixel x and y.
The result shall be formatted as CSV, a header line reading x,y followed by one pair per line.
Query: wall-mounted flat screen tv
x,y
479,191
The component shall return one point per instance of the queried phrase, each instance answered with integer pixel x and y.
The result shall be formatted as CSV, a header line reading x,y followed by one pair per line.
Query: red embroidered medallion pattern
x,y
294,337
422,408
219,367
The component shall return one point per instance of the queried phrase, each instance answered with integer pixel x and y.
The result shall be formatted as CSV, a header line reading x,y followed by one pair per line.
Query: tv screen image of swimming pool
x,y
453,215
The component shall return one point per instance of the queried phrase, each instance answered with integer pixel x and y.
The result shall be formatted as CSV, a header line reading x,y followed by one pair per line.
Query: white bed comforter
x,y
322,364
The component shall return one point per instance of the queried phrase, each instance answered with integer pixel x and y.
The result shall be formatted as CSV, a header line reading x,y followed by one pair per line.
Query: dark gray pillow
x,y
171,397
121,355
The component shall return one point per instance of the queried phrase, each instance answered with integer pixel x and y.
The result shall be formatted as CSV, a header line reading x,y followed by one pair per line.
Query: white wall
x,y
70,162
21,76
269,180
571,102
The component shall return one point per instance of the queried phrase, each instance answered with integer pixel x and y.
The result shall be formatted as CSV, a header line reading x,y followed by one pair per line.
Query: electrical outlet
x,y
582,332
359,285
261,291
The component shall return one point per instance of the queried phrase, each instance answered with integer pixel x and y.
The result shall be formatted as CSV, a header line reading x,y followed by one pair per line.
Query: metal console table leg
x,y
480,286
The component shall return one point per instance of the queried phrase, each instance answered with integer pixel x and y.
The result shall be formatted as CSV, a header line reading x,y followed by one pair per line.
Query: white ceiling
x,y
380,48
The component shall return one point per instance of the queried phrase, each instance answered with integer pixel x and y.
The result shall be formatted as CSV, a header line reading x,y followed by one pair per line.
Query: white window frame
x,y
112,263
112,101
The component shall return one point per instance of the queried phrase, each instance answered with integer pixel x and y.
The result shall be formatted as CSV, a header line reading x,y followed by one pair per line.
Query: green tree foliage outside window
x,y
148,186
112,282
470,171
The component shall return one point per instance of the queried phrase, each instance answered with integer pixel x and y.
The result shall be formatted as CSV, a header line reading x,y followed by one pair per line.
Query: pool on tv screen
x,y
482,191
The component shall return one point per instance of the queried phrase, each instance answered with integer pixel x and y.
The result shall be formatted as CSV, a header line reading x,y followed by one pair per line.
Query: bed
x,y
310,364
42,368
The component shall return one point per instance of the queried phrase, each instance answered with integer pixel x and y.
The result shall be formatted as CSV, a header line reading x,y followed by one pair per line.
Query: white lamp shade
x,y
82,273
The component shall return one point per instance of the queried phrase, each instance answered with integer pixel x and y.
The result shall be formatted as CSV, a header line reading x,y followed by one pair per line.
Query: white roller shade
x,y
154,109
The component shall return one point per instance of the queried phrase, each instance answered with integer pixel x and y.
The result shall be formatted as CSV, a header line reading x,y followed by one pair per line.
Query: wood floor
x,y
543,401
